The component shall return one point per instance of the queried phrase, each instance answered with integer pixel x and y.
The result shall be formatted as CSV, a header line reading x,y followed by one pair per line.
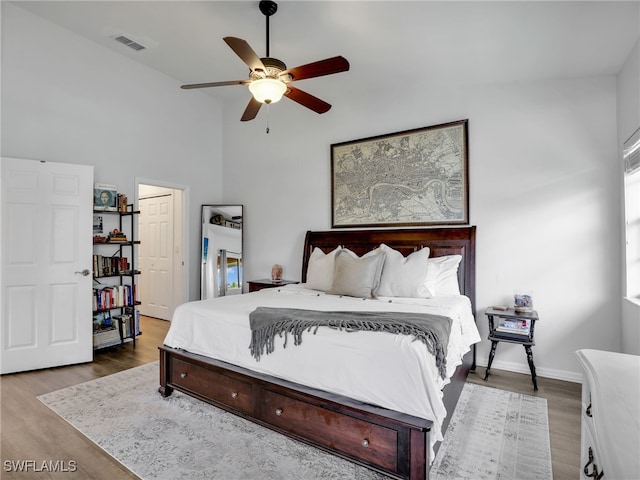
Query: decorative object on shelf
x,y
413,177
97,224
105,197
522,301
117,236
276,273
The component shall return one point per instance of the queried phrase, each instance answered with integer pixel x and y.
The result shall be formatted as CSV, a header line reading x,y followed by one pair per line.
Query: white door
x,y
155,225
46,281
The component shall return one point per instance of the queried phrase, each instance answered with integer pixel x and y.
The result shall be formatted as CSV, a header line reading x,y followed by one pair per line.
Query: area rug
x,y
493,434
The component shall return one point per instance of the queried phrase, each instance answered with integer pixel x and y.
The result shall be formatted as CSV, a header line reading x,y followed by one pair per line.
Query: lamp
x,y
267,90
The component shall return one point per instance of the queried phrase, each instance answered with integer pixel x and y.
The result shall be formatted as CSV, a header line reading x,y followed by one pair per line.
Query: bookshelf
x,y
116,320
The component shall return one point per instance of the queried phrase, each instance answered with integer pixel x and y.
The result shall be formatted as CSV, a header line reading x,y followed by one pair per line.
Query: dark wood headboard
x,y
441,241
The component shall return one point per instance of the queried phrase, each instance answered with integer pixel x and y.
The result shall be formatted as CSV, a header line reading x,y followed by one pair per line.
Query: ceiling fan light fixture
x,y
267,90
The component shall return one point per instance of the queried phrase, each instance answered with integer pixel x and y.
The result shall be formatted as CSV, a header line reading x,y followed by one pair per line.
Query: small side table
x,y
502,331
255,285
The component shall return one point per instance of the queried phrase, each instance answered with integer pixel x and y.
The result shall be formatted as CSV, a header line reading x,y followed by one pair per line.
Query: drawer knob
x,y
278,412
365,443
234,394
183,375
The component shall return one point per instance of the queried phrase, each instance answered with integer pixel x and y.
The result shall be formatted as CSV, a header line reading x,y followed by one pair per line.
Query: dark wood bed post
x,y
164,389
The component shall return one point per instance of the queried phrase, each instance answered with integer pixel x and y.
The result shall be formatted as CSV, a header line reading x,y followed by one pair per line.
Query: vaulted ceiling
x,y
390,45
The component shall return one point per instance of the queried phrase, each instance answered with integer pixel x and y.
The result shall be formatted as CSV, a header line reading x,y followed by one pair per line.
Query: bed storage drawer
x,y
390,442
214,386
367,441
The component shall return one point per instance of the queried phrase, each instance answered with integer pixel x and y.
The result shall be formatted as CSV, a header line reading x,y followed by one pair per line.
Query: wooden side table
x,y
255,285
512,327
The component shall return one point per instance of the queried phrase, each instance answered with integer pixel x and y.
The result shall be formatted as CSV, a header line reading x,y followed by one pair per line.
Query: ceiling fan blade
x,y
245,52
327,66
215,84
307,100
251,111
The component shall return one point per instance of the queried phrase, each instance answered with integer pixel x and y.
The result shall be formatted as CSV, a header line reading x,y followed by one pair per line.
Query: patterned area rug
x,y
494,434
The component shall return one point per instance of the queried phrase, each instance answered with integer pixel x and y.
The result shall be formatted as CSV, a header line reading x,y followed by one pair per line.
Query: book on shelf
x,y
117,236
105,266
124,321
113,296
122,203
135,314
518,326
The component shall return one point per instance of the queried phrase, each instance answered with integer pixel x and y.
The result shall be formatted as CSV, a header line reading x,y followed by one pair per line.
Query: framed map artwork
x,y
414,177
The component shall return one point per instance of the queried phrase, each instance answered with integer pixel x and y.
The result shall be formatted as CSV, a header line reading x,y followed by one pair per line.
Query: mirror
x,y
221,251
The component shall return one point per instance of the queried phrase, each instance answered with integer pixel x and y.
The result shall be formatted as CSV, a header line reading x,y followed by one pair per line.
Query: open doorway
x,y
161,253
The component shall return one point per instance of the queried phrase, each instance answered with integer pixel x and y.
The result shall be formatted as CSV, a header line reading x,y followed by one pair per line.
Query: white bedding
x,y
391,371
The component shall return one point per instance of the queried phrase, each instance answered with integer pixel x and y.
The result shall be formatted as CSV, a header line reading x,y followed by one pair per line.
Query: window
x,y
631,156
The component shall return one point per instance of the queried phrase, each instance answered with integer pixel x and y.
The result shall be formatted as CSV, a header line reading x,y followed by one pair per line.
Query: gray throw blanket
x,y
268,322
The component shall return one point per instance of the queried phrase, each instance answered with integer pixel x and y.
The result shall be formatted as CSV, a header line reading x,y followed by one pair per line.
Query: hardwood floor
x,y
32,432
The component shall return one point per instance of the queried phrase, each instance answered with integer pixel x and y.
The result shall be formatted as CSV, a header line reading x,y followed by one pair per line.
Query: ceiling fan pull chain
x,y
267,115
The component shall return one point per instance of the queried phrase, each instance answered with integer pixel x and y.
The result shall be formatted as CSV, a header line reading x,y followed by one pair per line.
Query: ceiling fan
x,y
270,79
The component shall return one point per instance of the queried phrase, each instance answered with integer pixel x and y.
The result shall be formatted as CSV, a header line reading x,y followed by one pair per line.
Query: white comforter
x,y
391,371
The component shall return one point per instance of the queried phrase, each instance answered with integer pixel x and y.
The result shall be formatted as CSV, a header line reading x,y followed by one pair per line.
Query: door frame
x,y
186,237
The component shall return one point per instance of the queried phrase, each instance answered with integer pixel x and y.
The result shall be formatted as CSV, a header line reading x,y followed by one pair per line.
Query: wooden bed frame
x,y
383,440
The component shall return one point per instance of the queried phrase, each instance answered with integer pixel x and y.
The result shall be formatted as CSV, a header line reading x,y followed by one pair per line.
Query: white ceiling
x,y
390,44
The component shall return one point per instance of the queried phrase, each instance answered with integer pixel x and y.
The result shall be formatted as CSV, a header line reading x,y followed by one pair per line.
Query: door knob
x,y
84,272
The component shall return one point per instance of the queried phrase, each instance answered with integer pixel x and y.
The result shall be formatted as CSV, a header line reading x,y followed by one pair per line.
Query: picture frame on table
x,y
408,178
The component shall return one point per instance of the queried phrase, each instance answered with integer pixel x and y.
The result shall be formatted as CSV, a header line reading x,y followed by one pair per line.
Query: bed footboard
x,y
390,442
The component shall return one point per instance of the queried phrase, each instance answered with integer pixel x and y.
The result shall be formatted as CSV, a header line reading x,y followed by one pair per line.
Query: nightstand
x,y
512,327
255,285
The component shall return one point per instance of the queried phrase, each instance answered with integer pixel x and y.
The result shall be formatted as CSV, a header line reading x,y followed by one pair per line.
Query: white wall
x,y
543,169
544,196
65,99
628,122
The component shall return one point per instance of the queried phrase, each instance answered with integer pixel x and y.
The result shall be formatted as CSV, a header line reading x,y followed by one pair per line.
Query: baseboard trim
x,y
564,375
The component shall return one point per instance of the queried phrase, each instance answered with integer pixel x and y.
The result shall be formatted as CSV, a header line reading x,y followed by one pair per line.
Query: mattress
x,y
384,369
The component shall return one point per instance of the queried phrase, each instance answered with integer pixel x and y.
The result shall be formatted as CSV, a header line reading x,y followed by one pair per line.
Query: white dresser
x,y
610,446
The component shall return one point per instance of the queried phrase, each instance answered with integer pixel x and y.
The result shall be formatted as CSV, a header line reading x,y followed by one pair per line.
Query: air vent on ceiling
x,y
129,43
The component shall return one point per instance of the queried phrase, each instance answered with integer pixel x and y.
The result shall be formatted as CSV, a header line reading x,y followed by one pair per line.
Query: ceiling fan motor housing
x,y
273,67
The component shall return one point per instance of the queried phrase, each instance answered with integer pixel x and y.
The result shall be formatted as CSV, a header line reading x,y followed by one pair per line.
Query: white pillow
x,y
357,276
320,269
404,276
442,275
